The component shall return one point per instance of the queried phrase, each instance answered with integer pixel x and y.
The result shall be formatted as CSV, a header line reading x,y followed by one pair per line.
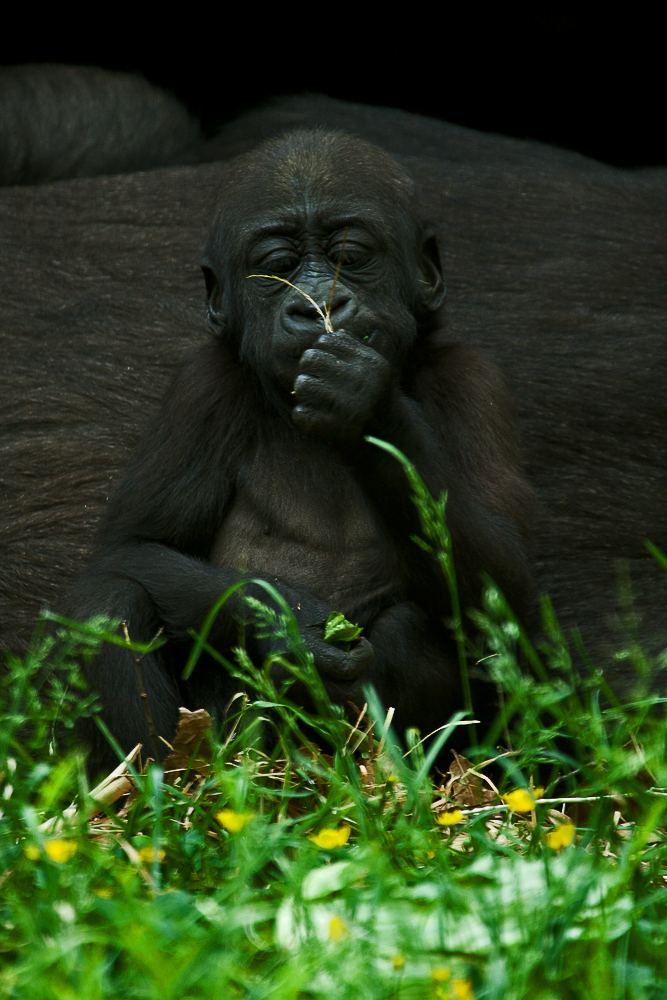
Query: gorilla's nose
x,y
301,317
343,309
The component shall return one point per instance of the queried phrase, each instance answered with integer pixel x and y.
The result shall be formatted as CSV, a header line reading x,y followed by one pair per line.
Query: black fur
x,y
78,121
556,270
257,462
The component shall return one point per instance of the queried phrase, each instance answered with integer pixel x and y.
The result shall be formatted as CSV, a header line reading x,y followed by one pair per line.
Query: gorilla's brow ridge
x,y
290,227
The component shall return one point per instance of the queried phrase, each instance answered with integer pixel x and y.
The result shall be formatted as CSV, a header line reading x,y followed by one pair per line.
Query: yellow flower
x,y
522,800
440,975
449,817
233,821
462,989
337,929
149,854
104,893
328,838
562,836
60,850
398,961
31,852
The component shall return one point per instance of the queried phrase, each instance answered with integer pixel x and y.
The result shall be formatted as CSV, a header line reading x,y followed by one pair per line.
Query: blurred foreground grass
x,y
331,861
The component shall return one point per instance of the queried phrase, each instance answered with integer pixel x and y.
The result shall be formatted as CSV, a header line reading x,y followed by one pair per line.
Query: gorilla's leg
x,y
415,669
113,673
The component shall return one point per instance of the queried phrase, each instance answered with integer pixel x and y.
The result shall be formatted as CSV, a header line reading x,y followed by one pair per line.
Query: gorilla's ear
x,y
432,287
217,318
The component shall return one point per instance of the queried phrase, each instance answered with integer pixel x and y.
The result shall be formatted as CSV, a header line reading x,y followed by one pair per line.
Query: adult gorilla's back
x,y
399,132
58,122
555,268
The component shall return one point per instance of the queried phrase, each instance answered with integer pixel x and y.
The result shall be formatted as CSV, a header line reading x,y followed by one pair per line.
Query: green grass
x,y
318,868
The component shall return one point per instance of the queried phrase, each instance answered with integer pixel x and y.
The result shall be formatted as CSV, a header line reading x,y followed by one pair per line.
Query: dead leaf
x,y
465,786
192,746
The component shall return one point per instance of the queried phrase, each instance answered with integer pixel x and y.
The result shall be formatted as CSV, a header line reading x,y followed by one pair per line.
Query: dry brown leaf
x,y
465,786
192,745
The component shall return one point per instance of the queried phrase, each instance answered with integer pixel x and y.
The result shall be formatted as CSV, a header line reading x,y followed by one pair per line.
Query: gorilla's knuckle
x,y
307,382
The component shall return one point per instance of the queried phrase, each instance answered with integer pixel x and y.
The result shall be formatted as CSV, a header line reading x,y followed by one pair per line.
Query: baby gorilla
x,y
257,463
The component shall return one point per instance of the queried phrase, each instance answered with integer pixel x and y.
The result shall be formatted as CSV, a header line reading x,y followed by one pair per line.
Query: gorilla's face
x,y
345,238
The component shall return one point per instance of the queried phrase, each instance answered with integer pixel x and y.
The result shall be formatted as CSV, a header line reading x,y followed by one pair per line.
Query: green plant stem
x,y
439,542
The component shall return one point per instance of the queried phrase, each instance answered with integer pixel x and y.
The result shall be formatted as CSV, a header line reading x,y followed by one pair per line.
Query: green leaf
x,y
338,629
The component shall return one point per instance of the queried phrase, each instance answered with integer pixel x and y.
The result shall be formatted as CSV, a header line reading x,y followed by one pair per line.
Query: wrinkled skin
x,y
257,464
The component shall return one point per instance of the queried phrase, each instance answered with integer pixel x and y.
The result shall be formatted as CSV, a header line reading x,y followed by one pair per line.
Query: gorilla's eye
x,y
280,263
351,256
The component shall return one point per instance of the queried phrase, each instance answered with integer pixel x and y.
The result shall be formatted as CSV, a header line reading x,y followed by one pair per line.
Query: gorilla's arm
x,y
181,590
149,586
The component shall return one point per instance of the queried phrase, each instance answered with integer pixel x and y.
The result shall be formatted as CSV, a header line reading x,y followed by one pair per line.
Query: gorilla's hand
x,y
342,383
334,665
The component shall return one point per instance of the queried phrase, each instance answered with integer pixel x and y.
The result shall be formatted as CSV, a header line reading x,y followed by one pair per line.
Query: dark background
x,y
585,81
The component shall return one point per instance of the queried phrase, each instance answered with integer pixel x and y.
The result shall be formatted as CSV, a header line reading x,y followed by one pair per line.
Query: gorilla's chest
x,y
302,518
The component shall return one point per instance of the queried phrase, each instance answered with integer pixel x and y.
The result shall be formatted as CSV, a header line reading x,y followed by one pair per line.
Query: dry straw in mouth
x,y
325,313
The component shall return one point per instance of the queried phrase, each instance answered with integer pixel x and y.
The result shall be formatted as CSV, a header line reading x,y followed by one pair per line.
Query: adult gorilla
x,y
80,121
258,458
